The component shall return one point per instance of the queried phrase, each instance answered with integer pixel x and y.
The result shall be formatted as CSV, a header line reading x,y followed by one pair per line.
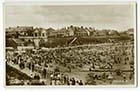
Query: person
x,y
124,77
104,77
68,82
22,82
59,76
73,81
21,65
53,82
62,79
69,69
31,76
110,78
37,77
130,76
77,82
65,79
42,83
44,73
57,69
58,82
33,67
51,76
50,82
29,65
81,82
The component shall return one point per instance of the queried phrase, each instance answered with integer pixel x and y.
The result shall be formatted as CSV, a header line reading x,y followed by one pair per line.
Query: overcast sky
x,y
120,17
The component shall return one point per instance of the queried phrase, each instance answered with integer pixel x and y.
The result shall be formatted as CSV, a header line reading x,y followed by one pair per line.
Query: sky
x,y
113,16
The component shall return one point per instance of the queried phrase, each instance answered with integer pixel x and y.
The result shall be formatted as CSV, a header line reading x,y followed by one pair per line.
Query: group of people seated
x,y
103,56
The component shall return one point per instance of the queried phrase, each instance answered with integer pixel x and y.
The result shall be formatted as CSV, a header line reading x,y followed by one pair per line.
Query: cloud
x,y
119,16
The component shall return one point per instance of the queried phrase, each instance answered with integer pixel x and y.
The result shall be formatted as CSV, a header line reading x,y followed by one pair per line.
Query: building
x,y
29,35
130,32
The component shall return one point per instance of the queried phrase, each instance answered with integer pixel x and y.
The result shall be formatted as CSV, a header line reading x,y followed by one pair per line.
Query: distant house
x,y
33,36
49,31
24,30
40,33
62,33
37,33
92,31
78,31
52,34
11,34
21,30
81,32
113,32
44,34
70,31
102,32
88,32
130,32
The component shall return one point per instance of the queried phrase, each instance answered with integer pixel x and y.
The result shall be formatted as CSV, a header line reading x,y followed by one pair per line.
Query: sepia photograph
x,y
70,44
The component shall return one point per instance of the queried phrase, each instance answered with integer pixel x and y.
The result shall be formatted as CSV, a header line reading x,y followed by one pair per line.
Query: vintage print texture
x,y
69,45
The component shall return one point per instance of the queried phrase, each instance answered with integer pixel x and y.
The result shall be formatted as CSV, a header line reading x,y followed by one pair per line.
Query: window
x,y
35,34
29,40
43,34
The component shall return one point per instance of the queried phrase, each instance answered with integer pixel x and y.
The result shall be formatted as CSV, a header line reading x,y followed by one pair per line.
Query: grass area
x,y
64,41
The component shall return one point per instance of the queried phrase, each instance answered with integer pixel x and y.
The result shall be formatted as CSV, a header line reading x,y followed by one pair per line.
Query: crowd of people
x,y
98,56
